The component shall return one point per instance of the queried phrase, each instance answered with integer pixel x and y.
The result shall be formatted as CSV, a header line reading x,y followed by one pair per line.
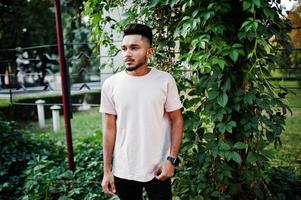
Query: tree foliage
x,y
294,58
76,36
231,110
25,23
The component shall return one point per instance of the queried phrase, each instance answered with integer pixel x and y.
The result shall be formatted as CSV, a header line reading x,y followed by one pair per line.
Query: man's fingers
x,y
158,170
113,187
161,177
109,190
105,188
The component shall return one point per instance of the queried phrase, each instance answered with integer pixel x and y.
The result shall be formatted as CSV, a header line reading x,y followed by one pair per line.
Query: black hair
x,y
140,29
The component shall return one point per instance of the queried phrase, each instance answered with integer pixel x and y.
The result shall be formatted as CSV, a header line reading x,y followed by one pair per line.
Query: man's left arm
x,y
166,169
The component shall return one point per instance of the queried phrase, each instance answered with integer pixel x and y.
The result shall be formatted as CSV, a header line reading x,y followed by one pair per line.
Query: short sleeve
x,y
106,102
173,99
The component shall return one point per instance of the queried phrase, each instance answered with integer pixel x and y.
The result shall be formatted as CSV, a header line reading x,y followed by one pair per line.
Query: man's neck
x,y
141,71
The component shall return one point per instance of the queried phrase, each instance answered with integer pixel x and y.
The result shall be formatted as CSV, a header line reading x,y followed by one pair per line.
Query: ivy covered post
x,y
231,110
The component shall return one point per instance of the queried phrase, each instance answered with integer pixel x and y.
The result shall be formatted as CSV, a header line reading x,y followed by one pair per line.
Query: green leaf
x,y
217,116
240,145
251,158
230,126
257,3
249,98
237,46
236,157
224,146
234,55
228,155
222,99
212,94
227,85
222,127
195,13
173,3
153,3
215,194
246,5
220,62
237,107
185,29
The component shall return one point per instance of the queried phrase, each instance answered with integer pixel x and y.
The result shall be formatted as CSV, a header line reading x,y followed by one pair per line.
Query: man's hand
x,y
164,170
108,184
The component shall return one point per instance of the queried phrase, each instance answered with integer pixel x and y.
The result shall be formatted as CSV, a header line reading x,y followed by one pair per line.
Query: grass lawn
x,y
289,153
4,102
83,124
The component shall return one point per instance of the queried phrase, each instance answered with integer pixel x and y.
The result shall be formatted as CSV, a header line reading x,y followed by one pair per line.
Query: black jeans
x,y
133,190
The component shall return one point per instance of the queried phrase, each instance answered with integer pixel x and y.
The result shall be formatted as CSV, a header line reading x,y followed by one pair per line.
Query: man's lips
x,y
129,60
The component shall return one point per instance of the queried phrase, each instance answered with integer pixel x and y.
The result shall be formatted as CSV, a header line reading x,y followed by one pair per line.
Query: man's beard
x,y
137,66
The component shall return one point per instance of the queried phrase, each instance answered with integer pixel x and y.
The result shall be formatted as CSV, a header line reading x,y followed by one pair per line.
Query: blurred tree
x,y
295,18
26,23
76,31
294,58
32,22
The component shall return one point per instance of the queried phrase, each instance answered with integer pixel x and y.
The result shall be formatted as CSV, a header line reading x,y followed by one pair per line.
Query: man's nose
x,y
127,53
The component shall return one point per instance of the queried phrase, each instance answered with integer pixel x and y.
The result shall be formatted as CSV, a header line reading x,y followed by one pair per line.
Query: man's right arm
x,y
109,136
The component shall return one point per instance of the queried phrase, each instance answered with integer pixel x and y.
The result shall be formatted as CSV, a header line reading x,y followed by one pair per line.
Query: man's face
x,y
135,51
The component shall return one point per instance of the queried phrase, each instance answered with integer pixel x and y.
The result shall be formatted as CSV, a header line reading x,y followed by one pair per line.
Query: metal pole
x,y
65,83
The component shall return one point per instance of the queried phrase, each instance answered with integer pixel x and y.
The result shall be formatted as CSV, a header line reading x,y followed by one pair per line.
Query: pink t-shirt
x,y
143,127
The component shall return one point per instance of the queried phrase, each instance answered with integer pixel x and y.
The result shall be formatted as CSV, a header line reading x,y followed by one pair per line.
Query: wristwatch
x,y
174,161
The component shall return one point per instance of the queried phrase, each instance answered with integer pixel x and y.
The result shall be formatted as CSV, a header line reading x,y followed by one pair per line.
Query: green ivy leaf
x,y
153,3
236,157
240,145
249,98
251,158
173,2
230,126
228,155
257,3
212,94
237,107
246,5
215,194
224,146
222,99
220,62
234,55
222,127
227,85
237,46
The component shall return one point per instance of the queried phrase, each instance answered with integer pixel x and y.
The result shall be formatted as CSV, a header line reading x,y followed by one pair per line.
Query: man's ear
x,y
149,52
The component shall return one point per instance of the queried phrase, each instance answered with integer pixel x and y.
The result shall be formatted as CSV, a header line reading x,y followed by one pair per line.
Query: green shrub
x,y
284,184
17,149
46,179
35,167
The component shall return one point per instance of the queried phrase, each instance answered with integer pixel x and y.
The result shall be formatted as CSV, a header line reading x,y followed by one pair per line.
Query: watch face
x,y
174,161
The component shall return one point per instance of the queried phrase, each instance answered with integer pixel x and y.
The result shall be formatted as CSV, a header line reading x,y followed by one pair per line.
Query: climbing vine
x,y
220,55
